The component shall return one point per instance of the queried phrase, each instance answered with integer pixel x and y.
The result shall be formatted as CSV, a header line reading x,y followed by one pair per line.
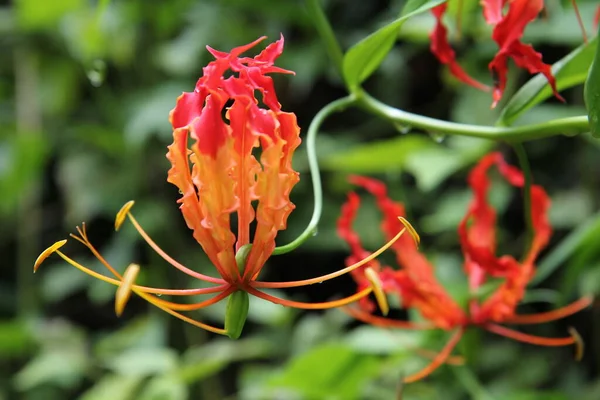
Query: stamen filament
x,y
182,317
194,306
168,258
310,306
145,289
323,278
385,322
553,315
438,360
84,240
531,339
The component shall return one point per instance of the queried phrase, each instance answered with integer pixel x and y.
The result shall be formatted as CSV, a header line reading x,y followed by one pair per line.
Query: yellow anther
x,y
122,214
124,289
47,253
411,230
579,345
378,290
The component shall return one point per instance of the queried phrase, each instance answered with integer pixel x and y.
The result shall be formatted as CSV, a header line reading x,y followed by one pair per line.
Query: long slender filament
x,y
438,360
531,339
553,315
168,258
323,278
310,306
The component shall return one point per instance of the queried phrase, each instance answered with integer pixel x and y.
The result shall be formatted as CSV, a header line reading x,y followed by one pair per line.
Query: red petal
x,y
507,34
492,10
477,235
416,282
442,50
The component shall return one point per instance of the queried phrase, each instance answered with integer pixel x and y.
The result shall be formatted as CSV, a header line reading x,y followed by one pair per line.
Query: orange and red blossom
x,y
219,176
417,287
509,19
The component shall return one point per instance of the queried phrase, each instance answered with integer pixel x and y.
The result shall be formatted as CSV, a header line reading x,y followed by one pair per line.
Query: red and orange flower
x,y
219,176
508,28
415,281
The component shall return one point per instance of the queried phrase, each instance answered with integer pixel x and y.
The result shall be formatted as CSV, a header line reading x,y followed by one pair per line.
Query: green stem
x,y
326,32
471,384
571,125
524,163
311,150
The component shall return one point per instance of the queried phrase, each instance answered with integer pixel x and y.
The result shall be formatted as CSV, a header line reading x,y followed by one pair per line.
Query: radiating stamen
x,y
168,258
553,315
86,242
195,306
47,253
146,289
310,306
438,360
323,278
377,287
182,317
125,288
531,339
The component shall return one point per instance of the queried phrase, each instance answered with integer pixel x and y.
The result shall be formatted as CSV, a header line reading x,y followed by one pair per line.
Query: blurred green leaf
x,y
164,388
15,339
306,374
33,15
143,361
114,387
362,59
571,70
374,340
64,367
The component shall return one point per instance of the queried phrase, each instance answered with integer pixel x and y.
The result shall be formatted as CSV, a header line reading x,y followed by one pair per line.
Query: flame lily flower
x,y
217,176
418,289
508,28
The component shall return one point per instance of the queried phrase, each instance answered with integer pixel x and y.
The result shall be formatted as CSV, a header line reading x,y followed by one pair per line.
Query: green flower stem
x,y
326,32
311,150
468,380
524,164
570,126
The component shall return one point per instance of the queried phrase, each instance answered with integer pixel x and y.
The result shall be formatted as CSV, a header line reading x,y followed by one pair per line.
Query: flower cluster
x,y
219,176
508,28
417,287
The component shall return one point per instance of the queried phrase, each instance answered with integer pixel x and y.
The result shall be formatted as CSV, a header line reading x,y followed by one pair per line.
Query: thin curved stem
x,y
571,125
321,22
194,306
438,360
315,175
526,169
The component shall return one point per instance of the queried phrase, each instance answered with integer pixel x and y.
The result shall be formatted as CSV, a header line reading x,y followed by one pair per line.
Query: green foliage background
x,y
85,91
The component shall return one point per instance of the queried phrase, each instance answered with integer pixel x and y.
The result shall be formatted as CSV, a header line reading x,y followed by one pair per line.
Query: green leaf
x,y
569,71
113,387
379,156
363,58
144,361
316,374
592,93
